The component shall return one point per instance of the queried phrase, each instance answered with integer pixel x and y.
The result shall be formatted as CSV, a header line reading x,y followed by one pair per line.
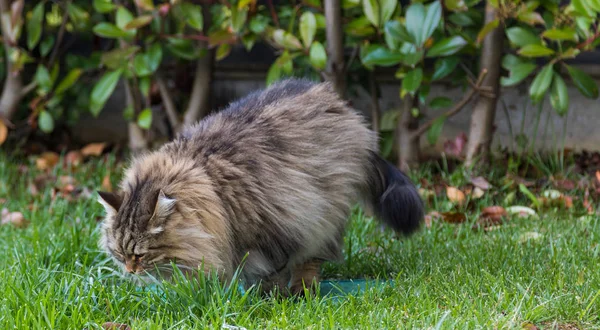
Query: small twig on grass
x,y
476,89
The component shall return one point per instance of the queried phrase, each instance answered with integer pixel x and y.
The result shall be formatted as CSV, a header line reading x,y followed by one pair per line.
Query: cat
x,y
270,181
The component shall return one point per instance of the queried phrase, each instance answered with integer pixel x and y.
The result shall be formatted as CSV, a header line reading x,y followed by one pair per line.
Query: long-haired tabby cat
x,y
273,176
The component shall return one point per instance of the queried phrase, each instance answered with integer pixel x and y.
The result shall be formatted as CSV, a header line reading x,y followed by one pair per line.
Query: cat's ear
x,y
111,202
163,208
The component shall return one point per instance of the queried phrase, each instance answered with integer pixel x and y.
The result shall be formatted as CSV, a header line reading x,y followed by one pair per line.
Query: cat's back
x,y
290,116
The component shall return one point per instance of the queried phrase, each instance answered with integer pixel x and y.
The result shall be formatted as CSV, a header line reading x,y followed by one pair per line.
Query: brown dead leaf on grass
x,y
14,218
106,185
586,202
481,183
455,195
456,146
454,217
3,132
47,160
490,216
115,326
93,149
73,158
564,184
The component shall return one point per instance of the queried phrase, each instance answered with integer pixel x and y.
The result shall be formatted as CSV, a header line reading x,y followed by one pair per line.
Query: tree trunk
x,y
484,111
138,142
11,92
335,46
199,105
408,144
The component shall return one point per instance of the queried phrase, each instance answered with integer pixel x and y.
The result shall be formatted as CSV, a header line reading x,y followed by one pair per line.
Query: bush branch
x,y
168,103
476,88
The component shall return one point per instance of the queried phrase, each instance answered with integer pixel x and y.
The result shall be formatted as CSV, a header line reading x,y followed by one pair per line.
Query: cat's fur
x,y
274,175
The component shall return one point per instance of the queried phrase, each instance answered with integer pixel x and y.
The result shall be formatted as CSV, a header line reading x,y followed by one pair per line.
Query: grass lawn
x,y
541,271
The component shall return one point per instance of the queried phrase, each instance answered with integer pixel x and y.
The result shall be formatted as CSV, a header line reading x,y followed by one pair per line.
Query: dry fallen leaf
x,y
3,132
115,326
454,217
586,202
93,149
477,193
564,184
47,160
455,195
14,218
106,185
521,211
429,217
73,158
481,183
456,146
490,216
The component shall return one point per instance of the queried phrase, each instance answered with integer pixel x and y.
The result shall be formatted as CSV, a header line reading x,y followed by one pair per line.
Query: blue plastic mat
x,y
329,288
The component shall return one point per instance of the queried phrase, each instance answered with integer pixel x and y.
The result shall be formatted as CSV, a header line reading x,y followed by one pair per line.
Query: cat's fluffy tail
x,y
394,198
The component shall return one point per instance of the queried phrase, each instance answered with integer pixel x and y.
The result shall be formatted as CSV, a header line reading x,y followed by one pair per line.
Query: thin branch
x,y
454,110
28,88
273,12
168,103
61,34
353,56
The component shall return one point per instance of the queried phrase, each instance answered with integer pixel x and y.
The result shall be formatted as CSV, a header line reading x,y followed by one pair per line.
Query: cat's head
x,y
134,230
165,212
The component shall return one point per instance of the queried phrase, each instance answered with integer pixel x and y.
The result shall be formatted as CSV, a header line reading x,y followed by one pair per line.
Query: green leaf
x,y
379,55
433,17
440,102
286,40
258,24
387,9
359,27
116,58
535,51
517,74
103,89
529,195
108,30
68,80
347,4
183,48
308,28
45,122
238,18
371,10
46,45
103,6
128,113
487,29
444,67
456,5
510,60
412,80
412,57
397,31
222,51
141,65
541,83
123,17
154,56
582,7
193,15
415,16
318,56
144,119
138,22
273,74
34,25
584,83
145,4
594,5
559,96
447,46
462,19
42,77
434,132
560,34
144,84
522,37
